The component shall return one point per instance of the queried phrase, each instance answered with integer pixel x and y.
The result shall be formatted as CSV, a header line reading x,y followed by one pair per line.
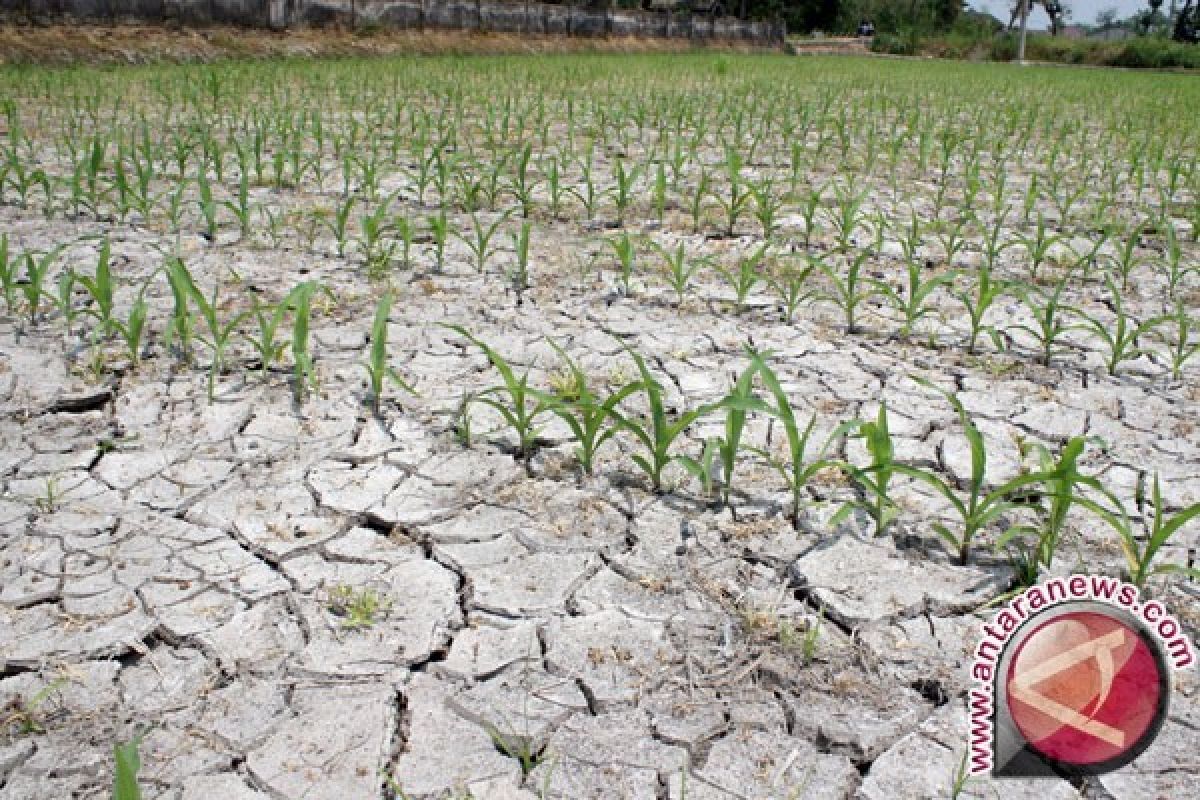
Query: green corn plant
x,y
220,332
377,253
515,401
1184,342
339,224
625,184
128,763
1037,247
555,189
659,432
767,206
1140,556
1062,489
240,206
849,290
439,231
518,276
8,273
790,284
267,343
742,280
1050,317
846,217
697,205
874,480
180,328
659,193
737,404
100,288
378,371
479,242
592,420
522,184
208,205
796,470
981,507
407,232
1174,265
64,301
915,299
737,202
132,328
993,246
37,269
813,202
703,469
625,249
678,270
982,294
299,301
1125,261
590,194
1122,334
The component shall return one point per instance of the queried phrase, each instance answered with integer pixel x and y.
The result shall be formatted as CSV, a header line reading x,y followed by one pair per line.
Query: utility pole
x,y
1021,40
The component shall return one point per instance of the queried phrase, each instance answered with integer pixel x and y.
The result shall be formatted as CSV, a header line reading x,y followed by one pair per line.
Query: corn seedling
x,y
789,283
479,242
983,294
740,401
592,421
981,507
848,290
625,182
220,332
378,371
795,470
874,480
518,276
678,270
915,299
1062,488
299,300
1184,342
128,763
515,401
1049,317
131,329
625,250
100,288
37,269
1140,556
1037,247
180,328
658,433
737,201
1125,261
8,273
743,279
1121,336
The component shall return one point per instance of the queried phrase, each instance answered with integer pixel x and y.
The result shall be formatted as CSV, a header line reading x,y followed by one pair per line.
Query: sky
x,y
1082,11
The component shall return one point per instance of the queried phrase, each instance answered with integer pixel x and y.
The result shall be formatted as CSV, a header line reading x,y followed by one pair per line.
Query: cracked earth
x,y
180,567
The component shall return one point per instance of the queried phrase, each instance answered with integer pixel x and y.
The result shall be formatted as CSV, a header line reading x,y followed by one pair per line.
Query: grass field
x,y
463,426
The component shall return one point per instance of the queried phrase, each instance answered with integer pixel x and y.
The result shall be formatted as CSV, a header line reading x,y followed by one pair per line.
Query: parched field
x,y
578,426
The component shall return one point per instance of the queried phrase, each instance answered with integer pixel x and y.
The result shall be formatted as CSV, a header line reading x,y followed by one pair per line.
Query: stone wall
x,y
514,16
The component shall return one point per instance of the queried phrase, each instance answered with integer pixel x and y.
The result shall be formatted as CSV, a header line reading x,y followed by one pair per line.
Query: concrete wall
x,y
514,16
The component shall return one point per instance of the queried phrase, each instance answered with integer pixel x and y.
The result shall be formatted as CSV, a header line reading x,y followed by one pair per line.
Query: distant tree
x,y
1187,24
1107,18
